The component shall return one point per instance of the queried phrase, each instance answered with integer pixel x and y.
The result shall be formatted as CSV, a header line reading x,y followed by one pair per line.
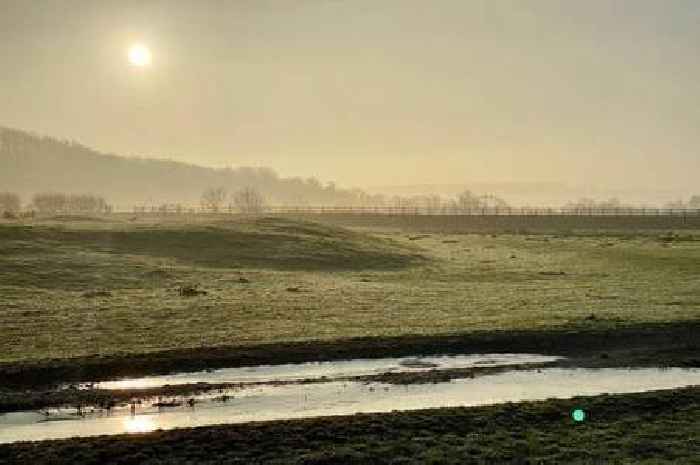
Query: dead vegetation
x,y
191,290
97,293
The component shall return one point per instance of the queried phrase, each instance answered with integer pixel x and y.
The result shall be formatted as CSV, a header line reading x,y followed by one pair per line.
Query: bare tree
x,y
249,201
213,199
694,201
610,204
586,204
433,202
50,202
9,202
468,201
675,204
57,202
581,205
86,203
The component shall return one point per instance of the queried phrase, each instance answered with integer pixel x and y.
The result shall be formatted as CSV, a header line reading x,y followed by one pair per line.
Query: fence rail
x,y
419,211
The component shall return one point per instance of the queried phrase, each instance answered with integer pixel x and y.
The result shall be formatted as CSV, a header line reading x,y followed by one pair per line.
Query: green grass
x,y
350,284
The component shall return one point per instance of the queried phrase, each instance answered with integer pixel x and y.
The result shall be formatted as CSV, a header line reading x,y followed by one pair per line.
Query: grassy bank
x,y
648,428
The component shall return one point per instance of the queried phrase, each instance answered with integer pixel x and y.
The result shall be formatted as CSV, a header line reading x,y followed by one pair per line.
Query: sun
x,y
139,55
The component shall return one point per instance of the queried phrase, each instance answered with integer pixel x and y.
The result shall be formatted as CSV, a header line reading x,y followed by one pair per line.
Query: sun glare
x,y
139,424
139,55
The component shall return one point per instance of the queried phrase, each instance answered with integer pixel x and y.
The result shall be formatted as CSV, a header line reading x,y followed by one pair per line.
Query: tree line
x,y
614,203
54,202
247,200
250,200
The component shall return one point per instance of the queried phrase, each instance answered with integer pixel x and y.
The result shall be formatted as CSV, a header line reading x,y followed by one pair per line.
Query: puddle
x,y
263,403
334,369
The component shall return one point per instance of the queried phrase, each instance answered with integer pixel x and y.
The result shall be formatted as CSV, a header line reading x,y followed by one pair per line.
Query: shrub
x,y
9,202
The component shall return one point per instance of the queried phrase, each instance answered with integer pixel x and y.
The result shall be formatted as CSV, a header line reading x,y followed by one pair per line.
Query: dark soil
x,y
663,344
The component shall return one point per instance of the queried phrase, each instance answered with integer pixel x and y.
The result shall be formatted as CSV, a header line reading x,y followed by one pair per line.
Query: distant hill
x,y
30,163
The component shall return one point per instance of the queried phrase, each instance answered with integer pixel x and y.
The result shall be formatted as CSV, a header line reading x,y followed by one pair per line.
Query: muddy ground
x,y
33,385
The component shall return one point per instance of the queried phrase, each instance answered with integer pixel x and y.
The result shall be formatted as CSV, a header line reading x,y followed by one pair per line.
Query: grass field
x,y
307,281
94,298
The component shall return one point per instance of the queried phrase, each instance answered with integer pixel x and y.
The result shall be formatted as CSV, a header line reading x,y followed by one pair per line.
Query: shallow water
x,y
334,369
263,403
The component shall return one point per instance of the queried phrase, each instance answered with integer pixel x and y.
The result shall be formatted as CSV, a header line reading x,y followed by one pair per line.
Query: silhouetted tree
x,y
249,201
213,199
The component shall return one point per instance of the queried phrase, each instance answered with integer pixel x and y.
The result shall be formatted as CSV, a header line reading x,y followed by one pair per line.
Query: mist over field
x,y
537,102
319,232
34,164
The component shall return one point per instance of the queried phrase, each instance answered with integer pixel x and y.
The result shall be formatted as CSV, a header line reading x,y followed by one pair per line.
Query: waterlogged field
x,y
96,299
77,287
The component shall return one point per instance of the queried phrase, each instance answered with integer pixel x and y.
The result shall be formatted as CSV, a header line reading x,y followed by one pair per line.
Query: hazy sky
x,y
369,92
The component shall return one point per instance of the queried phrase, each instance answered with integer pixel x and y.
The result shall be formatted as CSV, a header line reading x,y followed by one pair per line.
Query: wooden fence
x,y
419,211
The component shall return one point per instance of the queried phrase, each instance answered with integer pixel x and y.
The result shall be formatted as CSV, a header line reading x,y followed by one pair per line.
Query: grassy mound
x,y
118,255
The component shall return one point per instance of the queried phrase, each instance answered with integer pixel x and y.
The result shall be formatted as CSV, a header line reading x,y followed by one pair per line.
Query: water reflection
x,y
264,403
334,369
139,424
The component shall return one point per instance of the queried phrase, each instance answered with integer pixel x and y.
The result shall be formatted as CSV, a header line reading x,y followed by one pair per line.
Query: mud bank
x,y
602,343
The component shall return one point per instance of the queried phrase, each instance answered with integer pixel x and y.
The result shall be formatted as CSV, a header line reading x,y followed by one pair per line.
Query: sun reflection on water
x,y
139,424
